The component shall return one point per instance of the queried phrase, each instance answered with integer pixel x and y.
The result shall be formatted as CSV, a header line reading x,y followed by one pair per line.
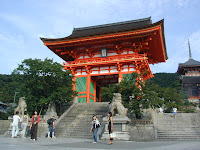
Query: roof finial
x,y
190,54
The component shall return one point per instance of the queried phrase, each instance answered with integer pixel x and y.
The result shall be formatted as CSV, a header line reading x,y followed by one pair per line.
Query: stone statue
x,y
119,117
21,106
51,111
117,105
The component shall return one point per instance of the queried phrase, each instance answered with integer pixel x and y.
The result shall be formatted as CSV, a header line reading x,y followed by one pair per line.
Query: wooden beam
x,y
63,53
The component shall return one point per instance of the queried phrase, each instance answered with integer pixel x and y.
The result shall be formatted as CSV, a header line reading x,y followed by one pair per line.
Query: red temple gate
x,y
103,54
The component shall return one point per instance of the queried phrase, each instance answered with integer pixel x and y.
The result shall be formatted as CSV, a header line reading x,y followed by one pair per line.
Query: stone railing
x,y
141,121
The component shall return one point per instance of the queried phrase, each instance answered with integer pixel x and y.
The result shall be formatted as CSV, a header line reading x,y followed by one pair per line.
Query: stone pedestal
x,y
120,125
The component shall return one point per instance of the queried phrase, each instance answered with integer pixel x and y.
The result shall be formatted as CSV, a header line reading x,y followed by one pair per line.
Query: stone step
x,y
77,123
85,117
75,133
73,129
78,137
176,127
179,132
178,137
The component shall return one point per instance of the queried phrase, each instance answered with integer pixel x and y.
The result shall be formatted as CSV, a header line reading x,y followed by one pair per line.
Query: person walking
x,y
95,125
15,124
110,127
34,125
174,112
51,123
24,124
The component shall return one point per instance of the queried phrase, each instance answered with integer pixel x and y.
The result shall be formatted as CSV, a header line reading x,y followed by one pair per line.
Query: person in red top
x,y
34,125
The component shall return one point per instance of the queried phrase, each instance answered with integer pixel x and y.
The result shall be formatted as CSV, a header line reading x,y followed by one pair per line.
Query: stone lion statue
x,y
21,106
117,105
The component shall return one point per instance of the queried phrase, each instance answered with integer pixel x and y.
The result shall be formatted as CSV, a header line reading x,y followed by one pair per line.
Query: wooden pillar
x,y
120,72
120,76
100,94
73,84
95,89
88,88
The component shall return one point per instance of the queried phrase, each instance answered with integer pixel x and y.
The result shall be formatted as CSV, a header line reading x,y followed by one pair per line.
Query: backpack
x,y
50,121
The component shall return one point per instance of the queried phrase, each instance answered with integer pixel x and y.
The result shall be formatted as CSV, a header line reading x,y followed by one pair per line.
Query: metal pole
x,y
15,95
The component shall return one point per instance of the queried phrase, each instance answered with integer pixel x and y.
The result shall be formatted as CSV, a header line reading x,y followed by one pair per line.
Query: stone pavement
x,y
8,143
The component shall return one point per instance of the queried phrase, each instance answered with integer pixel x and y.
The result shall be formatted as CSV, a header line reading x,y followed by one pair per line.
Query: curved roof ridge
x,y
113,24
106,29
190,62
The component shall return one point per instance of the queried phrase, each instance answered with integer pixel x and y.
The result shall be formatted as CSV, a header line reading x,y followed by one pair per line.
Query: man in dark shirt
x,y
51,123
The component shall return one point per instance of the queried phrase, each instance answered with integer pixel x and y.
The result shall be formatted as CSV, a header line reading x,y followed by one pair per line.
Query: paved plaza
x,y
7,143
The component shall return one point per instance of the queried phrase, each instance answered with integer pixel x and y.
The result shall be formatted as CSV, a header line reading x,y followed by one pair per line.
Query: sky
x,y
22,22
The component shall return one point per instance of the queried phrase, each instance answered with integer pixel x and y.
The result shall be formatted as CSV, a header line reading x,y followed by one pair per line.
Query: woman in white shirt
x,y
15,129
94,128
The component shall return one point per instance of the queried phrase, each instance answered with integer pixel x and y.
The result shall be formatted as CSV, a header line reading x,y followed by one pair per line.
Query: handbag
x,y
112,135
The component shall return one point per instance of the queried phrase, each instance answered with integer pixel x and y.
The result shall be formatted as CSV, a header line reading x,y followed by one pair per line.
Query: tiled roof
x,y
190,79
190,63
105,29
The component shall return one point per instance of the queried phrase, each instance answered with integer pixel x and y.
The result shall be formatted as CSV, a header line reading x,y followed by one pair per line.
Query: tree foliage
x,y
43,82
137,96
8,87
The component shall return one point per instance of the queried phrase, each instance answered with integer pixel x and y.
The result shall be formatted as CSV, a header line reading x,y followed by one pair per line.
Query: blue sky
x,y
22,22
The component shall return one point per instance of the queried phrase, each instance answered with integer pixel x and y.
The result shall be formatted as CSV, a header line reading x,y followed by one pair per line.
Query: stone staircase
x,y
186,126
77,122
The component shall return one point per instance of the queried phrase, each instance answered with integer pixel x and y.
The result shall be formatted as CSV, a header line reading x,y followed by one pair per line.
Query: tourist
x,y
174,112
51,123
34,125
15,124
94,128
110,127
161,110
24,124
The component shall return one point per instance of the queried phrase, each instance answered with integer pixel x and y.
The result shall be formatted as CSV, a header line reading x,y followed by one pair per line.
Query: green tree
x,y
43,82
107,93
8,87
167,92
136,96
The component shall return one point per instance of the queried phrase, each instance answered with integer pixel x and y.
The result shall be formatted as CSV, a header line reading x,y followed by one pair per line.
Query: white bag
x,y
112,135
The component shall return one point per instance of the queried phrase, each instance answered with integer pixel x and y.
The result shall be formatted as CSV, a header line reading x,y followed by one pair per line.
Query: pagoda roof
x,y
191,63
190,79
104,29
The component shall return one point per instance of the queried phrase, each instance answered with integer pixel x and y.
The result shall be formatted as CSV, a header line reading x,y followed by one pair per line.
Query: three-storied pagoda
x,y
190,77
104,54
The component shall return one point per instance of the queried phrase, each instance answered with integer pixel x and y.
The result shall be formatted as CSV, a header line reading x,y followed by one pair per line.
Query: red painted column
x,y
73,84
100,94
88,88
120,76
95,89
120,73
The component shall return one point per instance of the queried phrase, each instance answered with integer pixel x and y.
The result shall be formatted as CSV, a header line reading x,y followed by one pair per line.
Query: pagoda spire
x,y
190,54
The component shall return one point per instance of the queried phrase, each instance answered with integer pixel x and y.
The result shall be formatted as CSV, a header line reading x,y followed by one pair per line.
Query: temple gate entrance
x,y
102,54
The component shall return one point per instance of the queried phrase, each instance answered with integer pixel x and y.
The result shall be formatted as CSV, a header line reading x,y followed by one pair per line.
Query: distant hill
x,y
165,79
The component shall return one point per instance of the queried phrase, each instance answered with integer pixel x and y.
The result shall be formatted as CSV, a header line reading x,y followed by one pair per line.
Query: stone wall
x,y
141,132
4,125
42,129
